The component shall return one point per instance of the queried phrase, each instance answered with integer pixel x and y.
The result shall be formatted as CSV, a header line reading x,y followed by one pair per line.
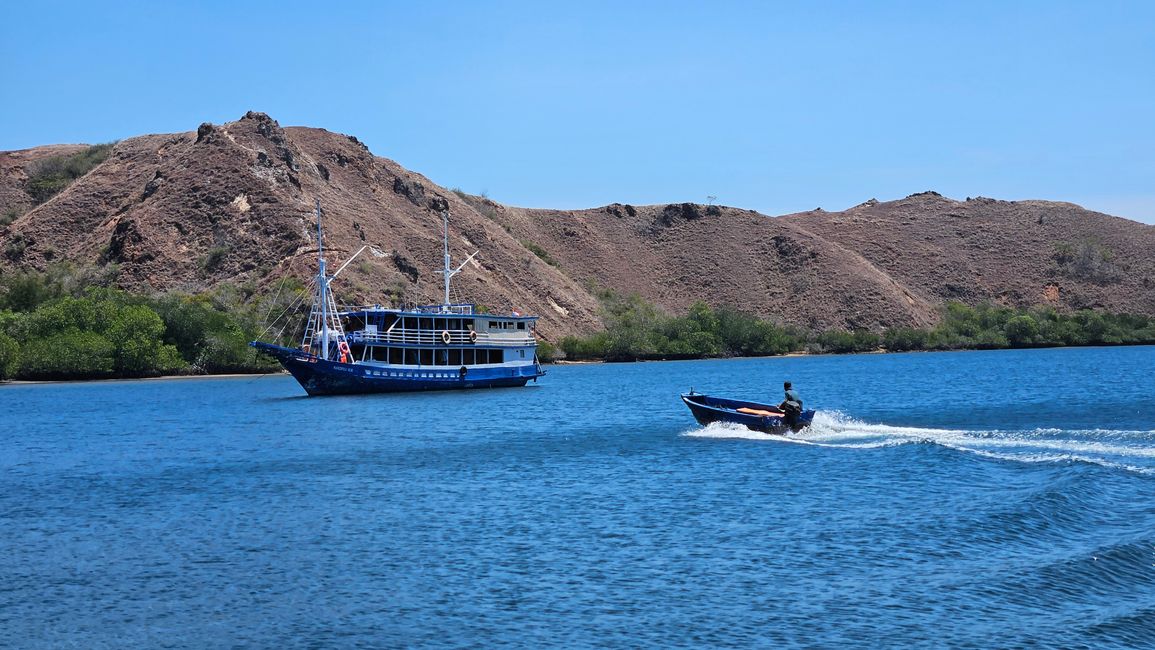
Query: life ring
x,y
473,336
345,354
445,336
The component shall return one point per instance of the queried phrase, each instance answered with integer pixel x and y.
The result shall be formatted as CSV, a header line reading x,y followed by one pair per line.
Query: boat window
x,y
497,356
396,356
468,357
521,325
494,325
409,323
455,357
442,357
426,323
410,357
521,353
454,324
426,356
380,354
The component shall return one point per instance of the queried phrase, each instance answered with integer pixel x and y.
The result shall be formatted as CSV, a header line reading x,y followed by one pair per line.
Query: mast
x,y
445,240
322,285
324,326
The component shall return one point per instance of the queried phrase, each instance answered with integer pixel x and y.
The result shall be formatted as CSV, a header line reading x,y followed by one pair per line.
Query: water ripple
x,y
587,512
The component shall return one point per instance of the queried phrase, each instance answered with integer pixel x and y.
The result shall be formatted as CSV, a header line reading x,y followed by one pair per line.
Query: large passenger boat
x,y
374,349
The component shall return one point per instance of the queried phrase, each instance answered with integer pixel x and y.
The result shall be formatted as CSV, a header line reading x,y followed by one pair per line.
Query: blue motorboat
x,y
766,418
375,349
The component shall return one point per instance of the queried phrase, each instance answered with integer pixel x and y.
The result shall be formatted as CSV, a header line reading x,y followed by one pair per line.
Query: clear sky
x,y
778,107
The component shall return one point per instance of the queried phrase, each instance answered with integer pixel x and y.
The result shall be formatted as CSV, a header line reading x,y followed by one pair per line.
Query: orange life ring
x,y
473,336
345,354
445,336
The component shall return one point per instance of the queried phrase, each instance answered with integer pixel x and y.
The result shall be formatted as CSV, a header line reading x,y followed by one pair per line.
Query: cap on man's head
x,y
786,385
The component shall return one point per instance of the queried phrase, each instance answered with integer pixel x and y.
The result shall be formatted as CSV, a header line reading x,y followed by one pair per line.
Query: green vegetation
x,y
100,334
69,324
49,176
9,356
546,352
540,252
1088,260
16,247
480,202
10,215
636,330
214,257
990,327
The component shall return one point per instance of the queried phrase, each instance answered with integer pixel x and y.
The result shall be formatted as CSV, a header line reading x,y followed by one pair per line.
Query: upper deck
x,y
437,325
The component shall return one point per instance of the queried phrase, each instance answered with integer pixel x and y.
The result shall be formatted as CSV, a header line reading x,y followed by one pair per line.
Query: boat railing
x,y
459,310
464,309
445,337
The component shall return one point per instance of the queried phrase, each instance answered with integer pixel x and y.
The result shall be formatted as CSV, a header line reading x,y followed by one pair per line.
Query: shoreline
x,y
235,375
564,362
879,351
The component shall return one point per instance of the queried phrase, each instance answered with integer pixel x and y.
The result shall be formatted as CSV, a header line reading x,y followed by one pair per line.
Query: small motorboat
x,y
758,417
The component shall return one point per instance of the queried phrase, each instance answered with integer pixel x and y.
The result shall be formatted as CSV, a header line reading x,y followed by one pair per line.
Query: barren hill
x,y
234,202
14,169
1017,253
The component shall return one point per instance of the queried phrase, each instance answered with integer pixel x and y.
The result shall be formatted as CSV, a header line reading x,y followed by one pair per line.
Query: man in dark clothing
x,y
791,406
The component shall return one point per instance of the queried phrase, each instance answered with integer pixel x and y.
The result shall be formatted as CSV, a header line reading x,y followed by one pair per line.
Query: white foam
x,y
730,431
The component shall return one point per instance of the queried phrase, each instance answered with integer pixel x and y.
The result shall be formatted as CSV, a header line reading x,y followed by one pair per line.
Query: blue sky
x,y
778,107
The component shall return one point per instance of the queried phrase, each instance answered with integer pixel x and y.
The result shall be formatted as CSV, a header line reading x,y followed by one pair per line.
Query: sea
x,y
983,499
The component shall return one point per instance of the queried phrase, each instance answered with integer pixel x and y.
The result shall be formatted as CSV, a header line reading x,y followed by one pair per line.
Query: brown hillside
x,y
1017,253
677,254
14,168
234,203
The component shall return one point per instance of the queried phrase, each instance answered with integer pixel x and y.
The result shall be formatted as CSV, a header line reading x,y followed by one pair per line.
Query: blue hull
x,y
322,377
708,409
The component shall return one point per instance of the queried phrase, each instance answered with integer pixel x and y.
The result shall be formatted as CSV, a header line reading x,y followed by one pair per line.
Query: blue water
x,y
966,500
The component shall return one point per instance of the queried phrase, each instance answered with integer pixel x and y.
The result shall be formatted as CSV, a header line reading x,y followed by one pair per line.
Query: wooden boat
x,y
766,418
374,349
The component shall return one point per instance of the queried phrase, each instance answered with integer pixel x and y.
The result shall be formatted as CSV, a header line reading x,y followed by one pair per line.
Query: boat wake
x,y
1129,450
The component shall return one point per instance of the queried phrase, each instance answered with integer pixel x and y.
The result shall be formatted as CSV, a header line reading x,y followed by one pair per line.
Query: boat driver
x,y
792,405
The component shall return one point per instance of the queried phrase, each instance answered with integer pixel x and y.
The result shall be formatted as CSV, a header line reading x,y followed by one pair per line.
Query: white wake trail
x,y
1130,450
